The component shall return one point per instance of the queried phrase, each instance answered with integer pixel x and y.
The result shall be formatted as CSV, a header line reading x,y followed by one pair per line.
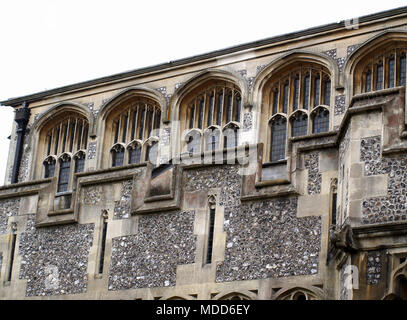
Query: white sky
x,y
48,44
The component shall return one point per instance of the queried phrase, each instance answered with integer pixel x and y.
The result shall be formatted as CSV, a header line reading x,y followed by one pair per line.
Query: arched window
x,y
129,125
209,108
134,151
299,124
320,120
294,91
152,152
231,136
193,140
79,161
64,172
49,165
212,139
381,69
278,138
65,134
117,155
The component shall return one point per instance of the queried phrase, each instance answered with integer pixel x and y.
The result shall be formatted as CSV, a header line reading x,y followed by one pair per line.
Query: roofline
x,y
14,102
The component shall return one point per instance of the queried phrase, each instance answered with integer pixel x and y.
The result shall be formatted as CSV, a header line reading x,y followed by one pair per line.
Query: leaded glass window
x,y
64,173
278,138
320,121
299,124
117,155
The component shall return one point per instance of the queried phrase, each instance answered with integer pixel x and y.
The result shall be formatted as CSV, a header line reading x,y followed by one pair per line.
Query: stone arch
x,y
294,292
45,118
128,94
110,106
231,295
370,45
199,79
290,58
177,297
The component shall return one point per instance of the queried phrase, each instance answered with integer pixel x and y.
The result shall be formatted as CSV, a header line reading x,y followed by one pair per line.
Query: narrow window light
x,y
379,76
212,213
191,116
219,109
211,106
296,92
278,139
333,211
402,70
103,244
275,102
390,71
285,98
317,83
12,253
201,113
64,173
368,82
306,91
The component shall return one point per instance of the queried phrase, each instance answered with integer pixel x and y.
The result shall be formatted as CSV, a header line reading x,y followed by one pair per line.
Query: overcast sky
x,y
48,44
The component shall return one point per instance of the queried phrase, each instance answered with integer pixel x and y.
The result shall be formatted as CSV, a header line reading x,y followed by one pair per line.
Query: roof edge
x,y
13,102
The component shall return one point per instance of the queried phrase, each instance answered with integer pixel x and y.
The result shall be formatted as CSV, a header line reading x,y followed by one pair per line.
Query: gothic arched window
x,y
129,125
117,155
278,138
299,124
293,92
320,120
64,172
384,68
208,110
62,140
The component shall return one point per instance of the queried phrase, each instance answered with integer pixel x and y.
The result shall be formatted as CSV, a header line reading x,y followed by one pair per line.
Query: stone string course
x,y
122,207
8,208
54,260
393,206
150,258
373,268
311,162
264,239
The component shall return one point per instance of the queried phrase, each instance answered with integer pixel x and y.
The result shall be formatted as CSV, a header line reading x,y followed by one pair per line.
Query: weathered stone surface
x,y
339,107
150,258
393,207
91,150
247,121
8,208
54,260
266,239
122,207
331,53
373,267
344,291
311,162
92,195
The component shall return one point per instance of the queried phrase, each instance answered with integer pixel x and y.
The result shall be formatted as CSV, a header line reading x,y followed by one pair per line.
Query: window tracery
x,y
211,118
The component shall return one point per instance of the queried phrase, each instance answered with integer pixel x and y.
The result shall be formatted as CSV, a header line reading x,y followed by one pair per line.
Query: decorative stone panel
x,y
314,177
331,53
54,260
8,208
339,107
150,258
341,63
393,207
373,268
351,49
122,207
247,121
92,195
91,150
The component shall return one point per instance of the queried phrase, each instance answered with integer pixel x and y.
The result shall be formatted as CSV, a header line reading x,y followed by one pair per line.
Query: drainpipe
x,y
21,117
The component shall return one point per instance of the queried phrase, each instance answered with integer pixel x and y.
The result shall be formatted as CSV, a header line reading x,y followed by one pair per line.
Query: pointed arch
x,y
298,293
381,40
235,295
199,79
